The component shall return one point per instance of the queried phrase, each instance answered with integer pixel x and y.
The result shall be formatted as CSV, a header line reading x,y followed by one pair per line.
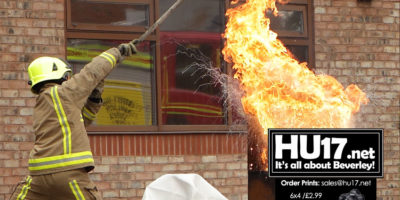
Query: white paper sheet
x,y
181,187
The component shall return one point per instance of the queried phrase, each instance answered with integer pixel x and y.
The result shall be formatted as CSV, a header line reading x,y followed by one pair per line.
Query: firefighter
x,y
61,157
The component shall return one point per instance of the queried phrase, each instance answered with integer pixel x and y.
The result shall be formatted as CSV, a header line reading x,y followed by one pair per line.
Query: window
x,y
93,26
121,15
291,20
191,45
166,86
127,97
295,28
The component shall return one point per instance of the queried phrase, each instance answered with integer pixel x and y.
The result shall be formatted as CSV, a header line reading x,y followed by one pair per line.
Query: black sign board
x,y
325,153
326,188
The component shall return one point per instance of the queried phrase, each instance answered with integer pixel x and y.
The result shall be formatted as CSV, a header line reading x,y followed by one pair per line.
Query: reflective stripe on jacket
x,y
60,115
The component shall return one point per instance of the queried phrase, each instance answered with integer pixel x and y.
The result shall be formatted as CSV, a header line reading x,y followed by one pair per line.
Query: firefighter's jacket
x,y
61,141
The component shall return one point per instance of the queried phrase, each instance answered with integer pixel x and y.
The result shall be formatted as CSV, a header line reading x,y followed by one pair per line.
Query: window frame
x,y
129,33
104,27
294,7
181,128
116,36
304,40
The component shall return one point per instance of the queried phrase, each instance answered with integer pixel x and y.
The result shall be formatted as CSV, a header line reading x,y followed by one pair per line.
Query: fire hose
x,y
156,24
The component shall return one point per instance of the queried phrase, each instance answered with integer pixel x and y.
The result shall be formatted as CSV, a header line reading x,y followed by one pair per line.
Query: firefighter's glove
x,y
95,96
128,49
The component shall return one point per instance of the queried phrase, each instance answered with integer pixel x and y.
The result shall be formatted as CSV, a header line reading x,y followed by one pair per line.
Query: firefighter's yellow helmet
x,y
46,69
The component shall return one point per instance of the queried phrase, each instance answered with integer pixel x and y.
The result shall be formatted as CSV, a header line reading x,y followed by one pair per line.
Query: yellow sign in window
x,y
122,104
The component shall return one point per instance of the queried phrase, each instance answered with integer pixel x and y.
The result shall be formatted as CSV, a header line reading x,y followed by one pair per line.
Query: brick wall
x,y
125,164
358,42
126,177
355,42
28,29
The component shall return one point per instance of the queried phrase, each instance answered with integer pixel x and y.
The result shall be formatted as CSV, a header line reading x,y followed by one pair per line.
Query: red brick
x,y
7,4
18,102
42,23
185,167
160,159
233,166
20,171
6,171
56,24
149,145
152,168
9,111
120,185
60,15
118,168
11,128
102,168
8,57
191,159
102,185
126,148
175,159
6,155
12,179
140,192
144,176
136,143
226,190
126,160
5,189
41,40
370,44
15,13
110,193
26,111
22,22
365,51
56,6
210,175
40,6
128,193
233,181
25,145
332,10
137,168
30,102
143,159
11,163
108,141
169,168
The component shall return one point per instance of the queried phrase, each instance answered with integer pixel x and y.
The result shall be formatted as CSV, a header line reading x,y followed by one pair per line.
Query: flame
x,y
279,91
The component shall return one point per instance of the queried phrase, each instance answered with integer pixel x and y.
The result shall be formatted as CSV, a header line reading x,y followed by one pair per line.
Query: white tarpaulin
x,y
181,187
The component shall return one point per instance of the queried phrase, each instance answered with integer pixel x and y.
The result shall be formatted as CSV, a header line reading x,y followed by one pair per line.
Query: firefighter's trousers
x,y
68,185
